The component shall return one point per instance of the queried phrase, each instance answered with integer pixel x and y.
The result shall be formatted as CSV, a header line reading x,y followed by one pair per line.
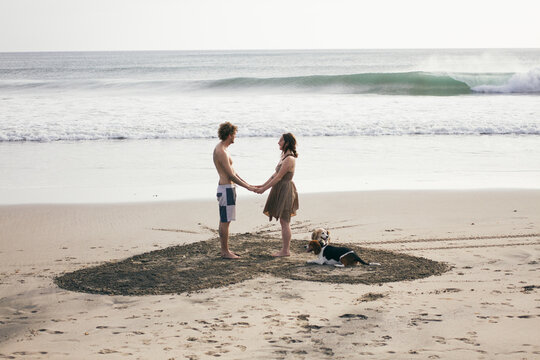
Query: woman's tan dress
x,y
283,199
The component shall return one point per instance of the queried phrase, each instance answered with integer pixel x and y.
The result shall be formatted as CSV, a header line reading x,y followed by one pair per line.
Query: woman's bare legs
x,y
286,237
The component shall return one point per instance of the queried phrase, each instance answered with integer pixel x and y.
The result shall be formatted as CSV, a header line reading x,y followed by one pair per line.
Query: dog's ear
x,y
316,247
314,234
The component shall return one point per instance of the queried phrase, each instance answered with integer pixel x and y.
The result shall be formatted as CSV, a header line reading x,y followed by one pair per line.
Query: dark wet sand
x,y
198,266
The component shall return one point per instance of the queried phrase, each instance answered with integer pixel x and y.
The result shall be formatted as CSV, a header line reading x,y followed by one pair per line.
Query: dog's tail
x,y
357,258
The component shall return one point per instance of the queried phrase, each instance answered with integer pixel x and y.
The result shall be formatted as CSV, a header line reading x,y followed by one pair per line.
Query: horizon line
x,y
267,49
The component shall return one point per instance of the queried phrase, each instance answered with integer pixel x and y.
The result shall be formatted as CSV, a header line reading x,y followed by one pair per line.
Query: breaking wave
x,y
409,83
404,83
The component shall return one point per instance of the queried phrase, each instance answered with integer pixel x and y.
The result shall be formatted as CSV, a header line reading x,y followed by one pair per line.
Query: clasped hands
x,y
257,189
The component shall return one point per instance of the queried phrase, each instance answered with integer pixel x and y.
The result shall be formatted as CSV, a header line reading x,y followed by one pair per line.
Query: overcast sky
x,y
67,25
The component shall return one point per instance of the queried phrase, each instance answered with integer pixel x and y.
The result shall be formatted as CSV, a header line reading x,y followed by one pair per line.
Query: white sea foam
x,y
520,83
173,117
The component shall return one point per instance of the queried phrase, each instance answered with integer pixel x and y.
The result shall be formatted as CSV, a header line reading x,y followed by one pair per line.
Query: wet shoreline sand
x,y
486,305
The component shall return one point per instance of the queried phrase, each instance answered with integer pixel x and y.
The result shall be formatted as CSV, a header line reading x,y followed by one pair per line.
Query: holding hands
x,y
259,189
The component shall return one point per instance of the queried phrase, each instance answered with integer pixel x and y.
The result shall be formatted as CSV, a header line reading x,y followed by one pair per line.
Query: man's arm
x,y
249,187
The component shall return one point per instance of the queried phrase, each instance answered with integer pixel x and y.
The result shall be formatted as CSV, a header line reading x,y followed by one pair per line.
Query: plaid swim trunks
x,y
226,196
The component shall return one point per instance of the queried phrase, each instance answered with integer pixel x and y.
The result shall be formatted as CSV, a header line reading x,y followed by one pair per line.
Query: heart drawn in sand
x,y
198,266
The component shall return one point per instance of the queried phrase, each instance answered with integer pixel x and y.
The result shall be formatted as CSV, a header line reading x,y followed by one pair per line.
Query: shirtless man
x,y
226,191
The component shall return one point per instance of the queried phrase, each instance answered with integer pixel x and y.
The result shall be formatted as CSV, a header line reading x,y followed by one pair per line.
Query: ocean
x,y
141,126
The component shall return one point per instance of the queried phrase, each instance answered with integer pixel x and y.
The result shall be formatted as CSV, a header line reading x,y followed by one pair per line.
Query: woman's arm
x,y
287,164
268,181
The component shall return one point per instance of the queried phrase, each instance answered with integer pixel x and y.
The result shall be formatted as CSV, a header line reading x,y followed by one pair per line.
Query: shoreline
x,y
251,197
155,171
491,238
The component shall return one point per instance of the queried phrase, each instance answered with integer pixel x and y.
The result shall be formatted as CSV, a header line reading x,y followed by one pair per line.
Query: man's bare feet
x,y
229,255
281,254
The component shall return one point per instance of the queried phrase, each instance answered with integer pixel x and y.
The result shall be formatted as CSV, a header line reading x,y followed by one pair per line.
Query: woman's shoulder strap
x,y
286,156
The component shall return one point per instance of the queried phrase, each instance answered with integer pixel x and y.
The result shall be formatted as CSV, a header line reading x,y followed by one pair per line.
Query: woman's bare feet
x,y
281,253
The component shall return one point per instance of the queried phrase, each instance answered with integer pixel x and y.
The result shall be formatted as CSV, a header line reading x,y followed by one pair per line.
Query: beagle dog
x,y
321,235
333,255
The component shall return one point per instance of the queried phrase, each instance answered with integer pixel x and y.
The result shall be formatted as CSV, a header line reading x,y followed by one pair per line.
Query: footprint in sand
x,y
107,351
27,353
353,316
53,332
242,324
470,341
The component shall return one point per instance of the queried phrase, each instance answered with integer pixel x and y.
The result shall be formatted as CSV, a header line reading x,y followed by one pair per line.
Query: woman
x,y
282,202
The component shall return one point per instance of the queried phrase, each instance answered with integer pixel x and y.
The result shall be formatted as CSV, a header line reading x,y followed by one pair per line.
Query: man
x,y
226,191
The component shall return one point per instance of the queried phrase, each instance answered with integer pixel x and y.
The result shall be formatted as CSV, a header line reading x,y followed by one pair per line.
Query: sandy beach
x,y
486,306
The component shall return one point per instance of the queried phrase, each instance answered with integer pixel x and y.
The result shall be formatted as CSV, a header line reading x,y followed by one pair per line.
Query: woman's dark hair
x,y
226,129
290,144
